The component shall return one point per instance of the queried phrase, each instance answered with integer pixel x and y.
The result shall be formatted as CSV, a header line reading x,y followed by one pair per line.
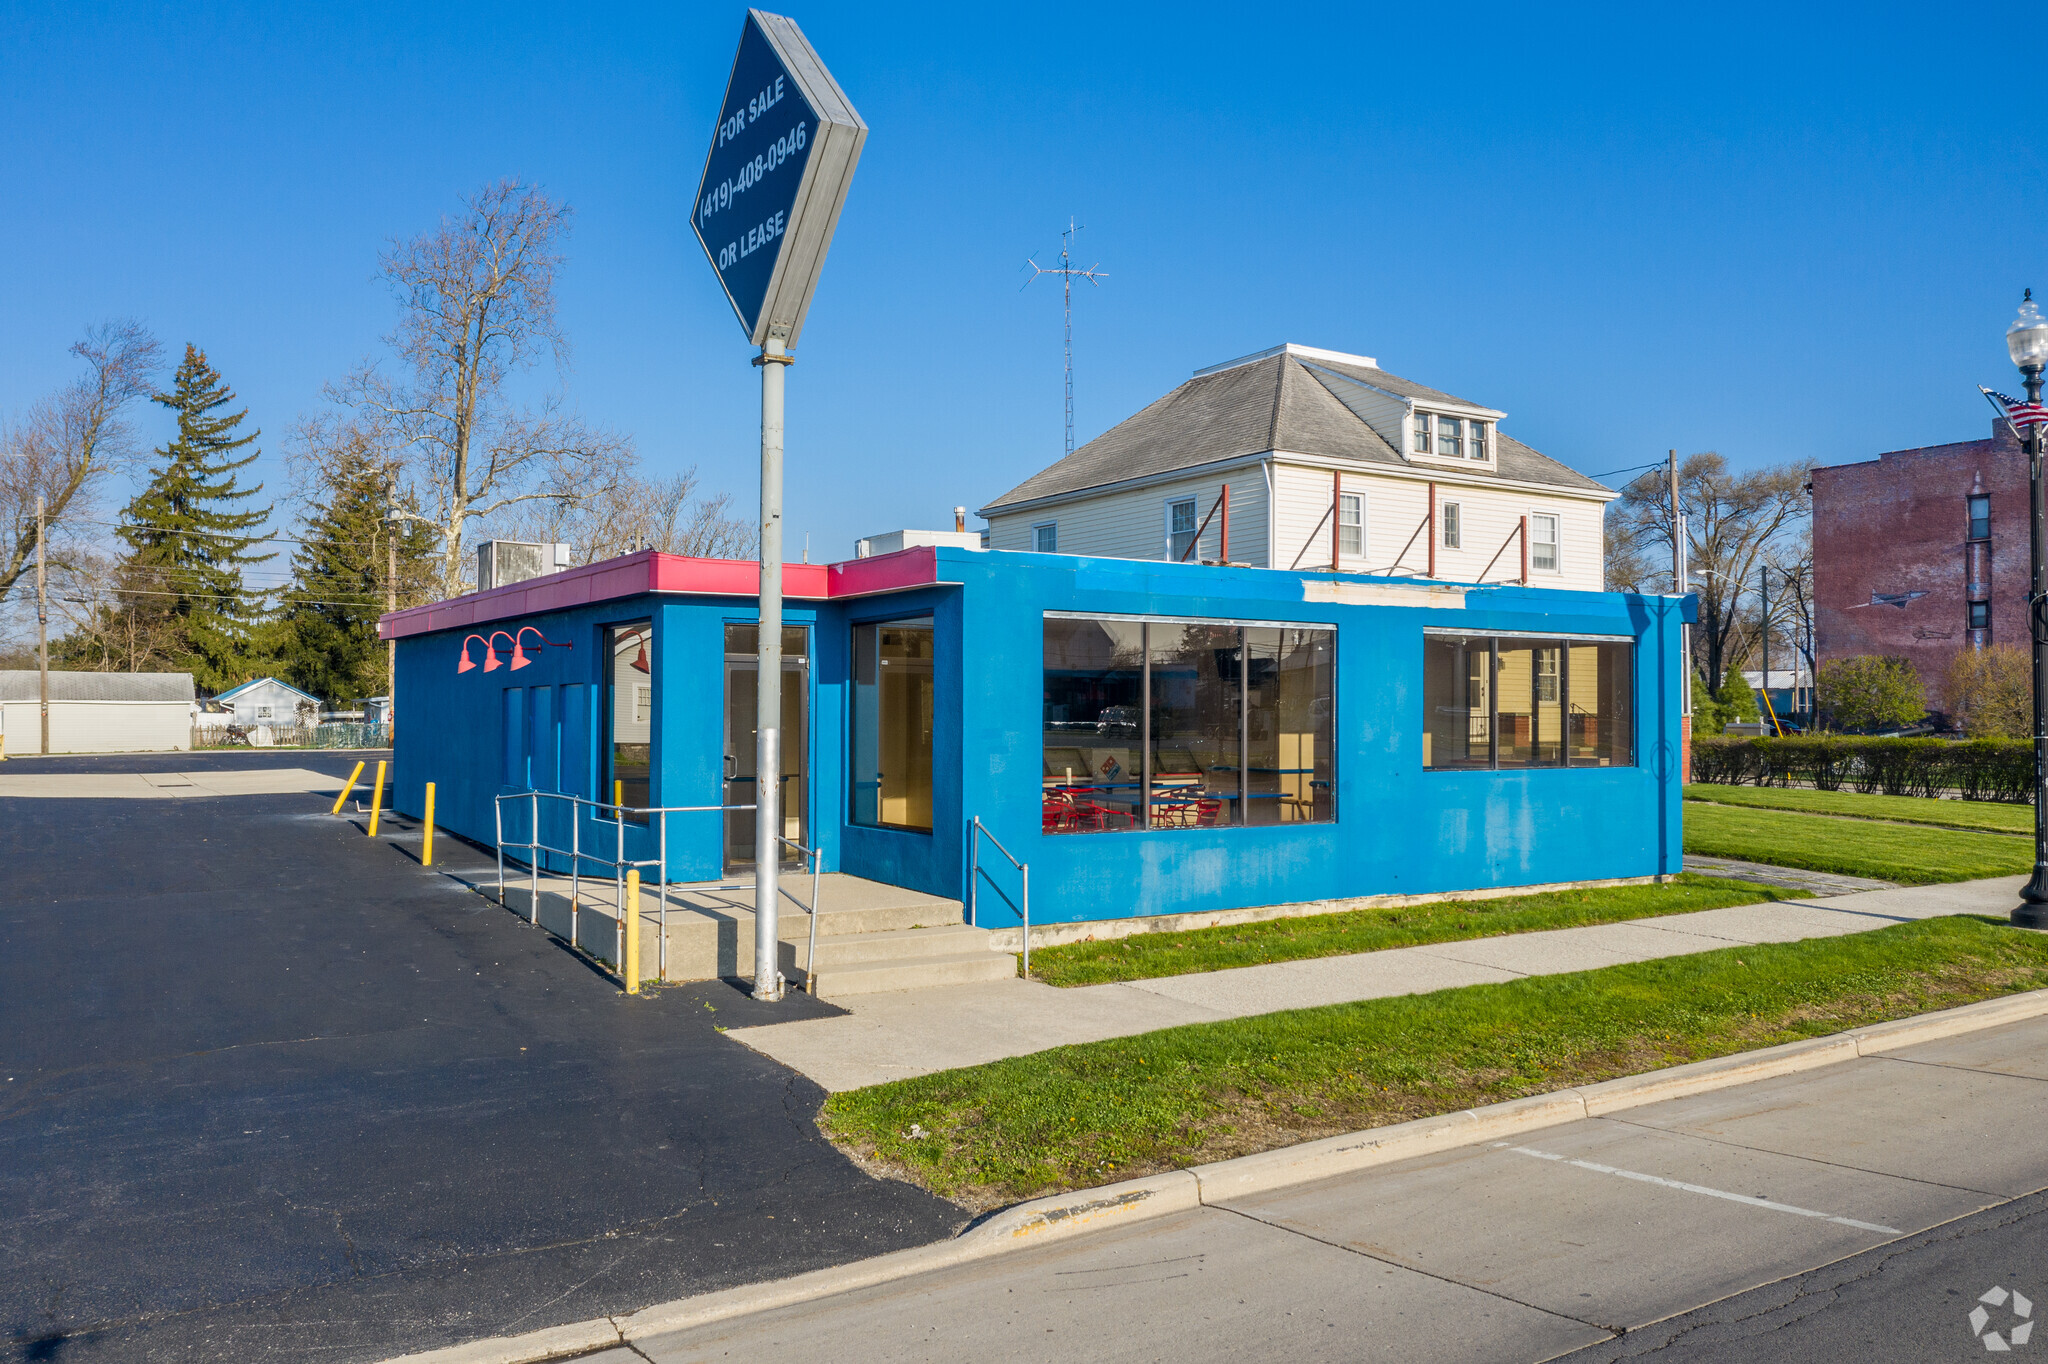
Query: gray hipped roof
x,y
21,685
1282,402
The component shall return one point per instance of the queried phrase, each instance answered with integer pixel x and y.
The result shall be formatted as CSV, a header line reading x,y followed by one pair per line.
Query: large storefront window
x,y
894,705
629,717
1186,725
1504,702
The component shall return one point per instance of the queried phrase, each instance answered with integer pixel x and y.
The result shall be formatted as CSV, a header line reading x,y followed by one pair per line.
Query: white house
x,y
1304,458
269,702
97,712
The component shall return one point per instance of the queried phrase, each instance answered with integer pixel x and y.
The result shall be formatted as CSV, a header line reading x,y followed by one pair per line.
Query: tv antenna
x,y
1094,274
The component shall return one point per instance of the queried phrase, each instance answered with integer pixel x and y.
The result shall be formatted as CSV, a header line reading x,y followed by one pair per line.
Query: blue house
x,y
1154,739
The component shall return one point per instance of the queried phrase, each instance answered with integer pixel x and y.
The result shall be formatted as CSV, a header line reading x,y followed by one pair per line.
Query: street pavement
x,y
898,1034
269,1090
1861,1212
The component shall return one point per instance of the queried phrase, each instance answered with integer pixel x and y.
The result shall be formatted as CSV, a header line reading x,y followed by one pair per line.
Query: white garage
x,y
97,712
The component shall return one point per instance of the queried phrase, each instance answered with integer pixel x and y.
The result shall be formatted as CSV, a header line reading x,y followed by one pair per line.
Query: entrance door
x,y
742,667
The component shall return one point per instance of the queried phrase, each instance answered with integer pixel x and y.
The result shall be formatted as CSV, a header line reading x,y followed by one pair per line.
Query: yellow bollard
x,y
338,800
427,857
376,802
618,796
629,929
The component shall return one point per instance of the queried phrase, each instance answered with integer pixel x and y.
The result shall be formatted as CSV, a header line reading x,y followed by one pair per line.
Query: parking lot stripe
x,y
1681,1185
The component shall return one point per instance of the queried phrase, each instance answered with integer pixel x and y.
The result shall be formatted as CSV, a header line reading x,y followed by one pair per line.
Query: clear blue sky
x,y
1774,232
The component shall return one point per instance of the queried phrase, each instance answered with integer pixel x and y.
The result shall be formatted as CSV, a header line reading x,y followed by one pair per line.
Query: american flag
x,y
2018,411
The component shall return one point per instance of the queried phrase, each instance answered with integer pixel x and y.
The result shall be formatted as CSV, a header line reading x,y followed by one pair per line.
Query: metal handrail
x,y
620,863
980,831
811,910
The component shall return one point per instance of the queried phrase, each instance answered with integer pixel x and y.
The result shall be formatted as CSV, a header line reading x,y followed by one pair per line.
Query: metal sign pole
x,y
774,180
773,360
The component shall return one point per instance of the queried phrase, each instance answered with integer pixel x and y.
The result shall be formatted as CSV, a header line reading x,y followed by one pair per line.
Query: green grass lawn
x,y
1145,955
1083,1115
1997,816
1852,847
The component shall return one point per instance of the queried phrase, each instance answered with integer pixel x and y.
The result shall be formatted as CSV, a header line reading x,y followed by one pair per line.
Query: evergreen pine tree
x,y
187,541
1708,717
327,639
1738,700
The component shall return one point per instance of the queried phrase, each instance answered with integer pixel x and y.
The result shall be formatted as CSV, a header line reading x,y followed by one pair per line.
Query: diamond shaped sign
x,y
781,159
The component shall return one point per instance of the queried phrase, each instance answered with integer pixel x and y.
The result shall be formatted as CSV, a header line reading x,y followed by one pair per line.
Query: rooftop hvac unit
x,y
500,563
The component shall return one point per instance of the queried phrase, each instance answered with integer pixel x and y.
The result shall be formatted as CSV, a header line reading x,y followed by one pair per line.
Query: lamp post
x,y
2027,341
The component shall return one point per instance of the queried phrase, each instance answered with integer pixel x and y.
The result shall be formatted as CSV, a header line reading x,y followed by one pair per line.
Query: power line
x,y
223,535
215,596
1633,468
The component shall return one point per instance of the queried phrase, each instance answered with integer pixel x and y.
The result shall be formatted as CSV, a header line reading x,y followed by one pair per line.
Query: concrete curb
x,y
1045,1220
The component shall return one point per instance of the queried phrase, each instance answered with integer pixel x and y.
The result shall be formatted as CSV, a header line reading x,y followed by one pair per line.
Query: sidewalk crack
x,y
1427,1274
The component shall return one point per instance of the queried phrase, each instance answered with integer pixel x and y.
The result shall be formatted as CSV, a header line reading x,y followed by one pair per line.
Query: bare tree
x,y
116,614
627,512
1734,524
479,307
61,448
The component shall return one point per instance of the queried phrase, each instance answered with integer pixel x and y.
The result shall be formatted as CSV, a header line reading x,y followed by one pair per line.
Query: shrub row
x,y
1975,769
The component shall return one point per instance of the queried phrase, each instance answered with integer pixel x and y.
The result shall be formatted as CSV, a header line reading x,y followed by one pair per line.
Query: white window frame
x,y
1194,525
1556,543
1455,437
1037,547
1451,524
1426,433
1344,501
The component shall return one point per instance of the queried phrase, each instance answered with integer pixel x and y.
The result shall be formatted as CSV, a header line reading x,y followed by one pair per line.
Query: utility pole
x,y
391,605
1763,594
43,615
1678,587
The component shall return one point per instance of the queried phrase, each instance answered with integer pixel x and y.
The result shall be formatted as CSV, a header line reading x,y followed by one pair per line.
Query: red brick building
x,y
1922,552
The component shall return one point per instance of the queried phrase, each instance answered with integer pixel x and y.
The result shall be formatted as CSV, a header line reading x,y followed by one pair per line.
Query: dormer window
x,y
1445,437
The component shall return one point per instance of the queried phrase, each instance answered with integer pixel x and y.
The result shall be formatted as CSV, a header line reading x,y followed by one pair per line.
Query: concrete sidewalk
x,y
1577,1235
263,781
915,1032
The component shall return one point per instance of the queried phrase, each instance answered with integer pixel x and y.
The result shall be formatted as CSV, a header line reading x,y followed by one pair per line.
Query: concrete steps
x,y
871,936
905,959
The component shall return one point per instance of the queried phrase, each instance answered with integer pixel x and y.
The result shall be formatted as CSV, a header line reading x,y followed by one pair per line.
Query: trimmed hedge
x,y
1975,769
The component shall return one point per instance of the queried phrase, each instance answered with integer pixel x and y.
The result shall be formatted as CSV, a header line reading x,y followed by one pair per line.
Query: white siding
x,y
1383,412
98,726
1131,524
1395,507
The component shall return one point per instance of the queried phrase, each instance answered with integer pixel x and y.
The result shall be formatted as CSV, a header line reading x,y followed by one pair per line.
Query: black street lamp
x,y
2027,341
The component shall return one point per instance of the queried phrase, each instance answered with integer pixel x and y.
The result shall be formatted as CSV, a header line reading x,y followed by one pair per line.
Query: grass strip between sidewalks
x,y
1992,816
1144,956
1852,847
1083,1115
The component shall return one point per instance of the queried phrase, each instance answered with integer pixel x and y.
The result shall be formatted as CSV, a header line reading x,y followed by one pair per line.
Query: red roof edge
x,y
634,575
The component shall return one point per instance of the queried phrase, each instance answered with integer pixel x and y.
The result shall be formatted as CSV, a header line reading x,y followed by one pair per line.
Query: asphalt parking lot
x,y
271,1090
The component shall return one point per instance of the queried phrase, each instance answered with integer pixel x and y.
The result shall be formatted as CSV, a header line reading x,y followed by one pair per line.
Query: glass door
x,y
742,668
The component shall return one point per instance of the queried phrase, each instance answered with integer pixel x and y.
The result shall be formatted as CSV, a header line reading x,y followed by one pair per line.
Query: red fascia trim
x,y
634,575
906,568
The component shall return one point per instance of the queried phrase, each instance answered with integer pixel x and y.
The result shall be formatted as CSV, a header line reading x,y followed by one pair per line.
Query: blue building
x,y
1153,738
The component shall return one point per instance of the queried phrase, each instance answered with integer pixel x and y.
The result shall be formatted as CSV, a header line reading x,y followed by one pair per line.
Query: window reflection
x,y
1186,725
1495,702
894,706
629,708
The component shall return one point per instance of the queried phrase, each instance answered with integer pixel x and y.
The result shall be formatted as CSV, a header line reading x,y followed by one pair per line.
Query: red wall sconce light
x,y
519,657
